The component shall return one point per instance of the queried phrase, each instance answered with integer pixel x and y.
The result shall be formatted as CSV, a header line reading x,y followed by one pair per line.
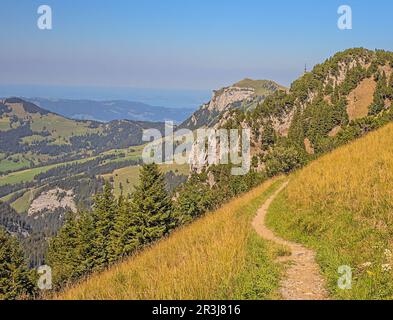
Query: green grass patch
x,y
22,204
339,240
11,165
33,139
8,197
128,177
23,176
262,87
259,278
5,124
61,128
29,174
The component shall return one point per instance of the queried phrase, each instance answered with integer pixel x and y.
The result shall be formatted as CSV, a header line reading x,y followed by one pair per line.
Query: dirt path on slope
x,y
303,280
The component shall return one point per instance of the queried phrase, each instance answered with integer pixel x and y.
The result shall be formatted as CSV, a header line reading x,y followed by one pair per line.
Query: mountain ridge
x,y
340,100
34,136
316,103
321,110
245,94
109,110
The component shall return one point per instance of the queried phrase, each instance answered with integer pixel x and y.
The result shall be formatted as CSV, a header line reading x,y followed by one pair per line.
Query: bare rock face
x,y
222,108
51,200
309,147
223,100
199,156
245,94
282,124
225,97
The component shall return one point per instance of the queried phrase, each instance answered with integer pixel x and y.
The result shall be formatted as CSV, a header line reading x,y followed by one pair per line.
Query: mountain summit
x,y
245,95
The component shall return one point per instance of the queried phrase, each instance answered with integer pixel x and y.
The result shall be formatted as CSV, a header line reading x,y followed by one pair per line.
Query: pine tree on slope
x,y
152,206
16,281
124,235
104,213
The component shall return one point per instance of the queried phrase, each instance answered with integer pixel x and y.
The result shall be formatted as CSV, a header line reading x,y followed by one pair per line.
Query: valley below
x,y
310,220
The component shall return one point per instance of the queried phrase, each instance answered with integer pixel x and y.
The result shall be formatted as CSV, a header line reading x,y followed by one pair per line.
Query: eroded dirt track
x,y
303,280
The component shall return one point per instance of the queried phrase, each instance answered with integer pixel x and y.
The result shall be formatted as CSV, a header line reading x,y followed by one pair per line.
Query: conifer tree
x,y
62,253
104,213
85,236
70,253
152,205
16,281
296,133
124,236
194,198
380,94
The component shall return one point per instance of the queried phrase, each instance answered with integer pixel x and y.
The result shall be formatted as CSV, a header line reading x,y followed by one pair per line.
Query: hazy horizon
x,y
193,45
155,97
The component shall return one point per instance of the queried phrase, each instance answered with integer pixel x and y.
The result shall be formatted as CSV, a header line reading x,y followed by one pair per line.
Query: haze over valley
x,y
199,150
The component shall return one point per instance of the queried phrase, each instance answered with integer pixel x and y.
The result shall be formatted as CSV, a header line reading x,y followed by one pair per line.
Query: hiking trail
x,y
303,280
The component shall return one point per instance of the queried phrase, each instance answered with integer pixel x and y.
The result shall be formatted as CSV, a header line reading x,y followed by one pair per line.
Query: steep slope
x,y
302,280
341,205
244,95
197,262
31,136
337,94
339,100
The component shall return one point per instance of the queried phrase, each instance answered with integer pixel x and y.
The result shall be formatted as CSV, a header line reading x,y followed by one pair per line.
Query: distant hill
x,y
243,95
111,110
31,136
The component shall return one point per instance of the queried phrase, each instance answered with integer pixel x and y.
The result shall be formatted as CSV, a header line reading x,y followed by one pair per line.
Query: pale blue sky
x,y
180,43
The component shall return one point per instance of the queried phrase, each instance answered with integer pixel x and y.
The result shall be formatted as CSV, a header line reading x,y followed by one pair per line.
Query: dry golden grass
x,y
342,206
356,178
361,98
201,261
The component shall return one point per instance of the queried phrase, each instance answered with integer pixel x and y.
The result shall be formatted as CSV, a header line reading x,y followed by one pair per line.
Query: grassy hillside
x,y
262,87
29,174
341,205
31,136
125,179
217,257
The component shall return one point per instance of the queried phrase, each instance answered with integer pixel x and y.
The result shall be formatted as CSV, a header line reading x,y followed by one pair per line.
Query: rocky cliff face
x,y
244,95
337,101
226,97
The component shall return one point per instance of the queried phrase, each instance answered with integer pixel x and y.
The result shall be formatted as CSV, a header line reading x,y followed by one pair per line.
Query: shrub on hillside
x,y
283,160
